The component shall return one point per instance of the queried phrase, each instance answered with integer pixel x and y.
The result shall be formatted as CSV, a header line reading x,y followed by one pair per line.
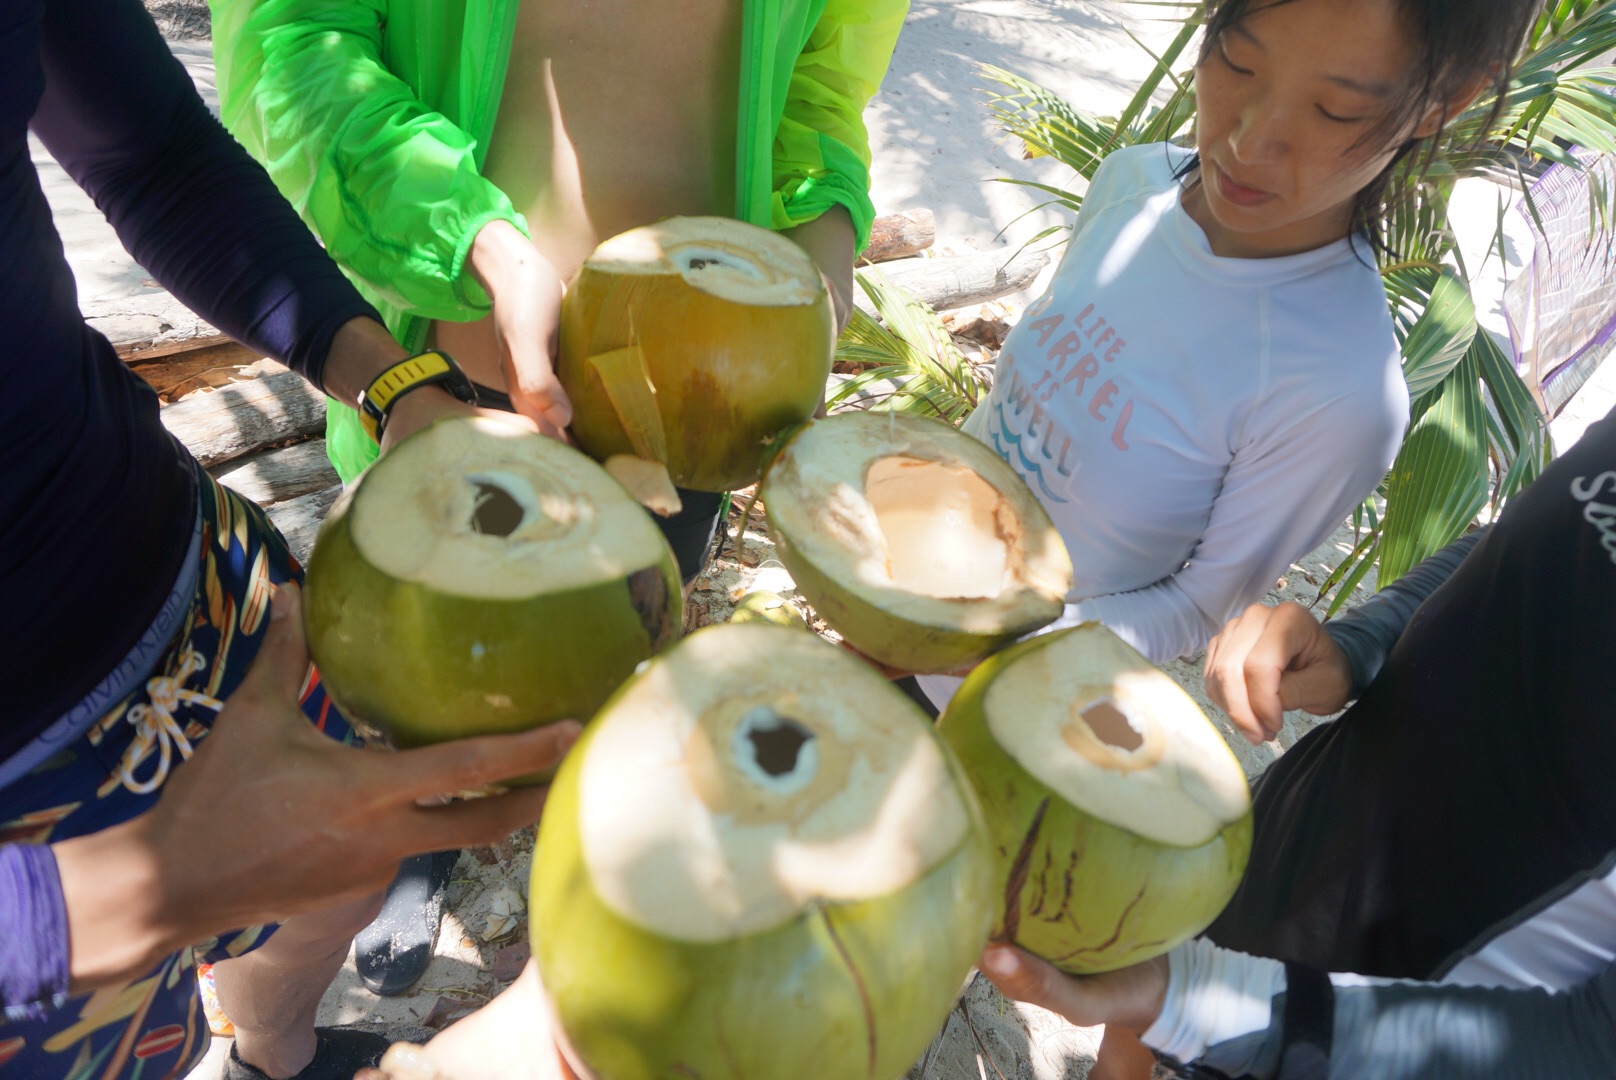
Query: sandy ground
x,y
935,147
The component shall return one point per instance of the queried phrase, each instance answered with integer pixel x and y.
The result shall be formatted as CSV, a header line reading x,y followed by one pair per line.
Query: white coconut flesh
x,y
911,521
1093,721
753,774
721,257
477,508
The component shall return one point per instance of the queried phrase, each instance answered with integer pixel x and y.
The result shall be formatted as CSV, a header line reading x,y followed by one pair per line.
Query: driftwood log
x,y
299,519
244,417
274,476
897,236
951,282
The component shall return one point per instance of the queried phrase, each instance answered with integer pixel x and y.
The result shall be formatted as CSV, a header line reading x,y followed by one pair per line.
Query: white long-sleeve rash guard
x,y
1192,423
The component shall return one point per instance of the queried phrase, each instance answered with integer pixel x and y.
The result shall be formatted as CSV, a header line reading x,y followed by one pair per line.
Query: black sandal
x,y
339,1053
393,952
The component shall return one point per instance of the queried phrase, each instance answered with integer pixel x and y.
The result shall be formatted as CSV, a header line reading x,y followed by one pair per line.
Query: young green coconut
x,y
480,579
759,861
692,344
1121,821
915,542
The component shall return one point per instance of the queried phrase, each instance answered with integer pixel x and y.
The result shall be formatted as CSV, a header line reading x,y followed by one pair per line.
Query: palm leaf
x,y
912,353
1439,482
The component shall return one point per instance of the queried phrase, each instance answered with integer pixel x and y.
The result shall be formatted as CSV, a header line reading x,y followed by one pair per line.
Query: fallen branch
x,y
959,281
897,236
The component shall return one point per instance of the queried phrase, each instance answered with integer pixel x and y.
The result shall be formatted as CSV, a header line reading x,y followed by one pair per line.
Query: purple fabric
x,y
96,500
33,924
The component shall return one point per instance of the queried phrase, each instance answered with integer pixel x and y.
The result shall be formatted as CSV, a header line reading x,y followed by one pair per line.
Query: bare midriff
x,y
615,114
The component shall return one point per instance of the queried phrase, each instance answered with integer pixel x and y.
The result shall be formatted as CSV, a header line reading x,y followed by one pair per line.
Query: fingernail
x,y
1000,960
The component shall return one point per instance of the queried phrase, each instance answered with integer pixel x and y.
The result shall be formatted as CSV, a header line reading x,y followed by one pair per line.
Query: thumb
x,y
278,670
1023,977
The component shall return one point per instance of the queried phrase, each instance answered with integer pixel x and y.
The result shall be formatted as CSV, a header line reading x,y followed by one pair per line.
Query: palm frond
x,y
912,357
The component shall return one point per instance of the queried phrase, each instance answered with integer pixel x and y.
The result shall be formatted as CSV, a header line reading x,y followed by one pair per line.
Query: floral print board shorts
x,y
154,1028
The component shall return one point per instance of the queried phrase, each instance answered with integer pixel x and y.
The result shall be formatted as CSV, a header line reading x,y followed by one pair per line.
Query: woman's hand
x,y
1269,659
526,292
1130,998
270,818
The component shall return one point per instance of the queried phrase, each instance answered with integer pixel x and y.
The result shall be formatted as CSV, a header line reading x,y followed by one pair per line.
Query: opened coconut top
x,y
1096,723
728,259
923,521
753,772
478,508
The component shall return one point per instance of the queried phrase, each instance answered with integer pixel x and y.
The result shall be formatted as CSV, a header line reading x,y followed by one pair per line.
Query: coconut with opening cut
x,y
758,861
1120,819
692,344
915,542
478,579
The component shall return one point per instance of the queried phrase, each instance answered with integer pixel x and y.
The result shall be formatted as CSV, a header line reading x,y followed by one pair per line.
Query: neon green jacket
x,y
374,116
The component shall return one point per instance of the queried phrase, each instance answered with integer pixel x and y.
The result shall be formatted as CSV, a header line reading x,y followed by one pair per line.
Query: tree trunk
x,y
275,476
243,417
956,282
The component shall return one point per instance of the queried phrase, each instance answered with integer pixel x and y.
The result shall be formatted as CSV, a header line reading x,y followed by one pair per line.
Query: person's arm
x,y
1233,1015
1365,634
312,822
821,148
391,187
1270,659
124,120
1388,1029
1282,496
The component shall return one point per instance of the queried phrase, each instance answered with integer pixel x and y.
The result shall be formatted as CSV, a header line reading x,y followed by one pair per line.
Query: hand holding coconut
x,y
1270,659
269,819
1129,998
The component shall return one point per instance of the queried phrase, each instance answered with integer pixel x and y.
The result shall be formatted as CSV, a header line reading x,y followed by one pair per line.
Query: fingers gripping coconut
x,y
760,861
1121,822
917,543
481,579
692,344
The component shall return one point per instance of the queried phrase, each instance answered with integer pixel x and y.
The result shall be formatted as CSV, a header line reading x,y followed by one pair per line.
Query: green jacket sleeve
x,y
821,149
392,188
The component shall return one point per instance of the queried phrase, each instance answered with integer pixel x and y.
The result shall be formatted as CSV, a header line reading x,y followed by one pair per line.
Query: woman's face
x,y
1289,103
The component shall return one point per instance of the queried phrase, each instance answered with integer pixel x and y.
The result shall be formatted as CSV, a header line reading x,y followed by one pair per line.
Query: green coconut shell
x,y
923,639
845,989
1084,894
726,377
422,666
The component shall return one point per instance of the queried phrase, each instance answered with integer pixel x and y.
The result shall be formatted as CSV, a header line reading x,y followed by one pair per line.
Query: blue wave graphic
x,y
1029,469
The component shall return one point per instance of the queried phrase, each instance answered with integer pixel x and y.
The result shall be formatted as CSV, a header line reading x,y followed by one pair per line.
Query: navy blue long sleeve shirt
x,y
96,499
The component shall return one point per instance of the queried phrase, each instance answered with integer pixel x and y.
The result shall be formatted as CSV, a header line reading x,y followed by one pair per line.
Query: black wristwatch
x,y
433,368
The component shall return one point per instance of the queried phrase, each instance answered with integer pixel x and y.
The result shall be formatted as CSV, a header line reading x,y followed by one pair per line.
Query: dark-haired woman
x,y
1211,382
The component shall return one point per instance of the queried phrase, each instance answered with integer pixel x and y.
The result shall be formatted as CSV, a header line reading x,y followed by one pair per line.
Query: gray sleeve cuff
x,y
1367,633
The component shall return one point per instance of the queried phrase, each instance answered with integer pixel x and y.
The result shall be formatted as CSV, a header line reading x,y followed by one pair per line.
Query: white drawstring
x,y
155,725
